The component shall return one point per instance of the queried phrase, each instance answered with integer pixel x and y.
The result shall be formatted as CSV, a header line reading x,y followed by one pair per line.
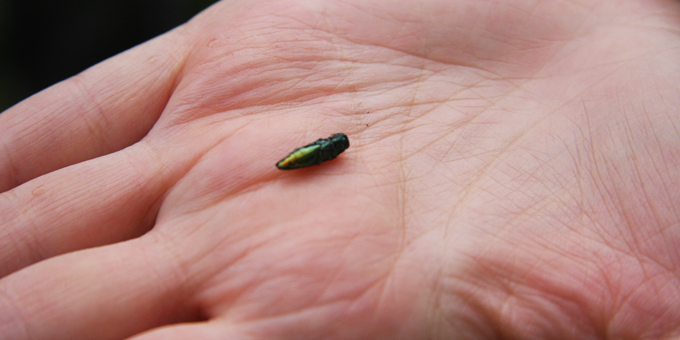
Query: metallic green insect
x,y
313,154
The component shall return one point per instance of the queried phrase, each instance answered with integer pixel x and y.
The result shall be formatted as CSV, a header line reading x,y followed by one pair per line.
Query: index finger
x,y
101,110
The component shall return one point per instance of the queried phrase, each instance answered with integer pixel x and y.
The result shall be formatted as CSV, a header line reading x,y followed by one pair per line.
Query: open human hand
x,y
513,174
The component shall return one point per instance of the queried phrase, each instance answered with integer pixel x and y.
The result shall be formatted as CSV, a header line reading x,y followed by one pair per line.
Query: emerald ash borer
x,y
322,150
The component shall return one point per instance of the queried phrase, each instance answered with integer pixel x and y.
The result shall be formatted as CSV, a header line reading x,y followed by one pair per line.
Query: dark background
x,y
43,42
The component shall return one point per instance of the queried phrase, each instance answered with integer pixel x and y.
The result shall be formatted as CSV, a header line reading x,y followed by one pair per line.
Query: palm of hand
x,y
510,175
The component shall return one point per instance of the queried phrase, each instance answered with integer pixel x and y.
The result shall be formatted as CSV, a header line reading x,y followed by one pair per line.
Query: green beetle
x,y
322,150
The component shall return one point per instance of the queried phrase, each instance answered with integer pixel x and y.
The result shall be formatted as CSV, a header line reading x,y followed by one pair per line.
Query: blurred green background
x,y
43,42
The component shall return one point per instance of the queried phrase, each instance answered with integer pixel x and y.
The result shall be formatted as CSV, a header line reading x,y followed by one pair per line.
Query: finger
x,y
211,330
98,202
104,109
110,292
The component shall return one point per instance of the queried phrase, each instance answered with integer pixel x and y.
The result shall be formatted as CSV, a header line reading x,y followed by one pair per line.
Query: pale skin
x,y
513,174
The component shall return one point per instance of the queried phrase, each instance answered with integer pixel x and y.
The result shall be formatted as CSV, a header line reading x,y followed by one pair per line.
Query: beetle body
x,y
322,150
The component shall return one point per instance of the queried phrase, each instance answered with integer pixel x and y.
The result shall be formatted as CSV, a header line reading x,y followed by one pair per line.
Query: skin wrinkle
x,y
385,297
400,51
619,198
27,129
664,161
179,268
380,284
148,221
437,313
169,93
481,172
624,300
7,299
319,298
485,312
566,302
649,202
315,310
36,251
17,242
404,242
172,129
93,105
485,325
180,61
237,296
12,171
666,311
336,273
599,179
613,199
431,111
264,104
79,84
236,256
